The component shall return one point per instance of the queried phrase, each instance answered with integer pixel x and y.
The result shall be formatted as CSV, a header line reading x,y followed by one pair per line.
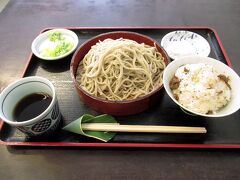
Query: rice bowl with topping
x,y
202,86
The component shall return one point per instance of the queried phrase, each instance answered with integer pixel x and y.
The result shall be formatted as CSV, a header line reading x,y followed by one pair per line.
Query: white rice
x,y
200,89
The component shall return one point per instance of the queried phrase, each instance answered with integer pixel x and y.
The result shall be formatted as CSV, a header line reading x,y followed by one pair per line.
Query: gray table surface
x,y
22,20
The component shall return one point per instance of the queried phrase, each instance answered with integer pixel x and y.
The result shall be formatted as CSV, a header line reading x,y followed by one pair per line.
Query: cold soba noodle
x,y
120,69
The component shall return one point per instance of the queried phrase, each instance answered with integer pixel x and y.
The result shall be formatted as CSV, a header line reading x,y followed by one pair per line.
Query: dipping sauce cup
x,y
30,104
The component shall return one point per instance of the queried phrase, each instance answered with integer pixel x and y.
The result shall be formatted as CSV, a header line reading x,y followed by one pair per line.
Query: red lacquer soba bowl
x,y
118,108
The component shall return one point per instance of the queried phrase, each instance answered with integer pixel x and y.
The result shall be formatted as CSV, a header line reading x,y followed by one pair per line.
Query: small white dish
x,y
231,107
185,43
42,42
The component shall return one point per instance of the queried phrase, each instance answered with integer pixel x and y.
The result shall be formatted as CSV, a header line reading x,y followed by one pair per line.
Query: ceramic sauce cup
x,y
30,104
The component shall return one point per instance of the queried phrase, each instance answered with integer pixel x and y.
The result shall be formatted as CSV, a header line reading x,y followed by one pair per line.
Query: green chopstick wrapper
x,y
76,126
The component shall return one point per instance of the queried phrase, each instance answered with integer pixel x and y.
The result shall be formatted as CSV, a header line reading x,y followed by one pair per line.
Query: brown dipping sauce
x,y
31,106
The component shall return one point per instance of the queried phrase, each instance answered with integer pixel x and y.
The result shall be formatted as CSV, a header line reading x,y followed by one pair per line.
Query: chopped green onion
x,y
55,36
61,45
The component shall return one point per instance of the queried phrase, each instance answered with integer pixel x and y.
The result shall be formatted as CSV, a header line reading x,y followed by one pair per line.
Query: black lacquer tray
x,y
222,132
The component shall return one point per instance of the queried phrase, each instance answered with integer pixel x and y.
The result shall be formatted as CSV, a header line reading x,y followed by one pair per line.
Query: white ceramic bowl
x,y
234,82
185,43
41,40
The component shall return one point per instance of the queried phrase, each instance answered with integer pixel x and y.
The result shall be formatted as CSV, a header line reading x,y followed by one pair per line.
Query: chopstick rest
x,y
104,127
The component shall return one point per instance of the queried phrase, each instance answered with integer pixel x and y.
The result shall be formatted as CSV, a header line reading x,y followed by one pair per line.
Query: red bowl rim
x,y
166,60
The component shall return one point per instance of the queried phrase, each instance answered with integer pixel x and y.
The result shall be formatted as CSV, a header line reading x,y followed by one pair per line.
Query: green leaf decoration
x,y
76,127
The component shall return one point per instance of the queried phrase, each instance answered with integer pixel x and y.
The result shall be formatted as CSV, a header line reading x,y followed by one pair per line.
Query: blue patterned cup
x,y
44,123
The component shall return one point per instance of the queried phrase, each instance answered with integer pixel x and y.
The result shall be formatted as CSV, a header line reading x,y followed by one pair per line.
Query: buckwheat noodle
x,y
120,69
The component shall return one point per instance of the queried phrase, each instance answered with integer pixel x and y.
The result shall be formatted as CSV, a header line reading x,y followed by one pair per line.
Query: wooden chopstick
x,y
111,127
